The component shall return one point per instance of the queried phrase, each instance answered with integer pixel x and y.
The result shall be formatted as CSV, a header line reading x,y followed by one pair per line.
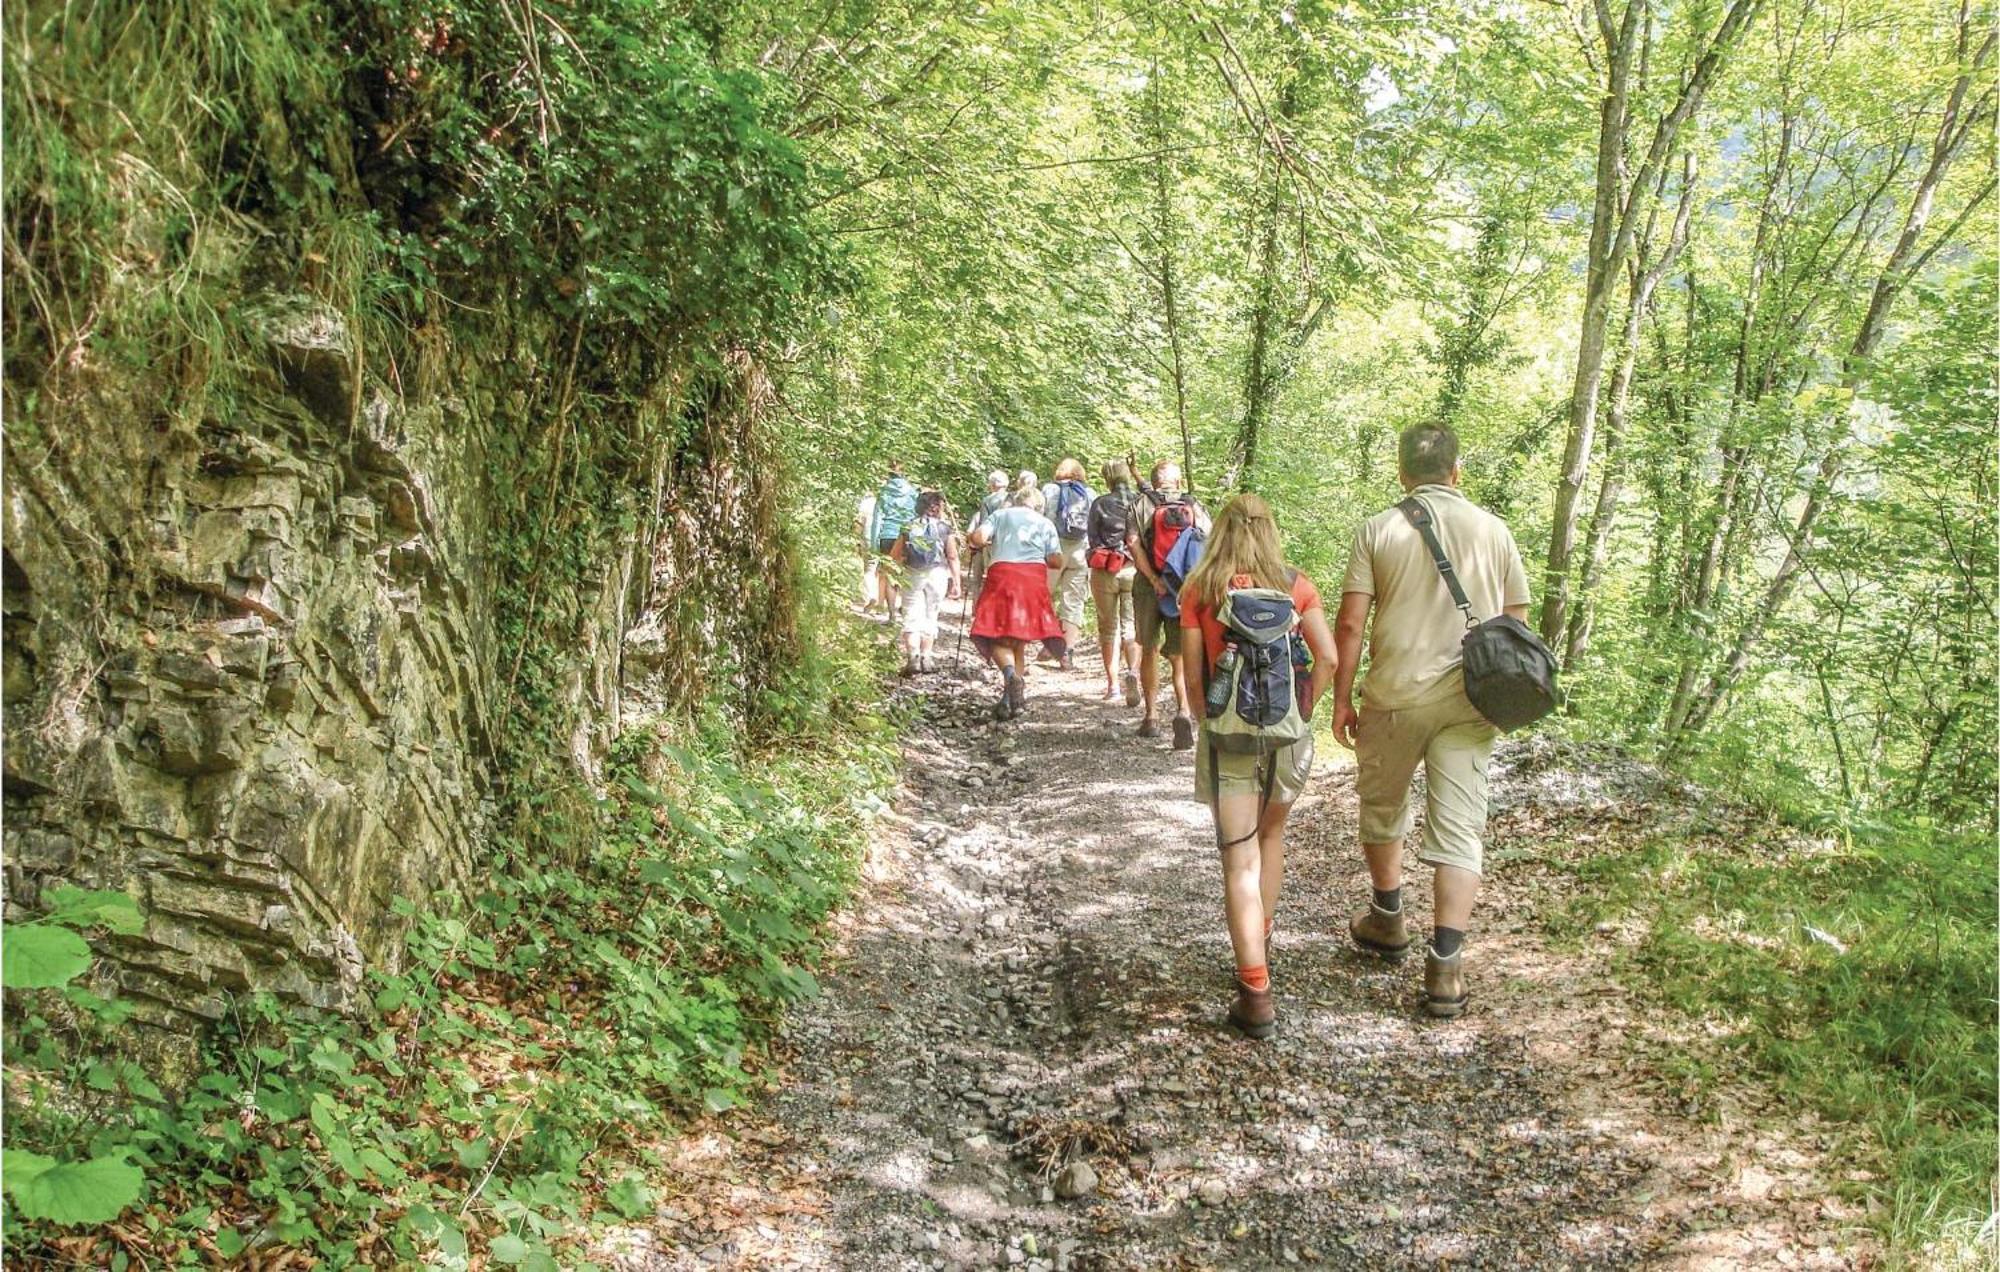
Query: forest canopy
x,y
1707,290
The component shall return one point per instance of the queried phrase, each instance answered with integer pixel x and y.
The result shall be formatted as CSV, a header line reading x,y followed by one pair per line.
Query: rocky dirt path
x,y
1020,1058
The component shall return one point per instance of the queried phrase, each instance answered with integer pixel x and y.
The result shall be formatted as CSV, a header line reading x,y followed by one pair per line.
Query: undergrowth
x,y
499,1097
1856,971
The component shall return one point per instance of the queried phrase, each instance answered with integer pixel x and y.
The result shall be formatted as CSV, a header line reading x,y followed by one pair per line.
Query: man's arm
x,y
1517,611
1347,632
951,557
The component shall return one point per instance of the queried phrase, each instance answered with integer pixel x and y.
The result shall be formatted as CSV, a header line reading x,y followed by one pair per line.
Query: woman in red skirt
x,y
1014,610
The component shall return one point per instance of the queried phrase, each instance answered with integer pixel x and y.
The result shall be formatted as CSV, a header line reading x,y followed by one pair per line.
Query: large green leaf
x,y
76,907
38,956
96,1191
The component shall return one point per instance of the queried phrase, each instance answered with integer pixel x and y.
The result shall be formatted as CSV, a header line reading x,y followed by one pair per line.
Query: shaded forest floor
x,y
1020,1059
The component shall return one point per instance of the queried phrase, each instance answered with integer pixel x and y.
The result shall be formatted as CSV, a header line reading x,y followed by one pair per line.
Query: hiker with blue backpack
x,y
1014,610
1166,532
1066,502
1256,631
928,552
895,507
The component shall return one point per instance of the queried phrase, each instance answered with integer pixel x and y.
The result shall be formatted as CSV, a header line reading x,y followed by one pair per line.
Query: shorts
x,y
1069,586
923,600
1112,595
1454,743
1153,629
1244,774
885,546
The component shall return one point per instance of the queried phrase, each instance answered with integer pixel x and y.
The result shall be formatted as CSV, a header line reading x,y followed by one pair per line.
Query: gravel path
x,y
1020,1059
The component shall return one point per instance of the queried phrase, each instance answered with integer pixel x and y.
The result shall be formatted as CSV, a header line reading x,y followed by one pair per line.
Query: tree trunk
x,y
1954,127
1613,224
1259,382
1646,277
1164,234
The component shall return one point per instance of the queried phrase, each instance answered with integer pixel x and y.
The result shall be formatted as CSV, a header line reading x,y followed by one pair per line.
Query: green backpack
x,y
1253,693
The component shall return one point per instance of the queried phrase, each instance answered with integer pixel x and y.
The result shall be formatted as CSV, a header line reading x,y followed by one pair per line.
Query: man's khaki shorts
x,y
1149,625
1244,774
1111,594
1454,743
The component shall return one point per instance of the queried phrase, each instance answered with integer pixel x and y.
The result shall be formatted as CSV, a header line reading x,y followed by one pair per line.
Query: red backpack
x,y
1169,520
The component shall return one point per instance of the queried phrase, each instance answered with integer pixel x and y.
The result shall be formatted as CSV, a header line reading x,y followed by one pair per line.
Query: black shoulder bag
x,y
1510,675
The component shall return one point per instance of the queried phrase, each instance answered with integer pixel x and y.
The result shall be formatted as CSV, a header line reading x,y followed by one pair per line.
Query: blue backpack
x,y
895,507
1181,560
925,545
1072,510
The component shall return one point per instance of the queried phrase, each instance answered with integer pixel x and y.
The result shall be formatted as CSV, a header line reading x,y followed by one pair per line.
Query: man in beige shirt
x,y
1413,703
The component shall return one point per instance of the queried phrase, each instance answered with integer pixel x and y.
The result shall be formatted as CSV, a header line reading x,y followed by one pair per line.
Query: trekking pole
x,y
964,593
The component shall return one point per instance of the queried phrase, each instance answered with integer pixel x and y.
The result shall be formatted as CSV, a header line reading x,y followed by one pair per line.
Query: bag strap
x,y
1420,516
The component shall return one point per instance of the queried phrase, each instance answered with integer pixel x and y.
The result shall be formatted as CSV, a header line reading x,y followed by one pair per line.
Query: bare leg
x,y
1242,877
1385,865
1456,890
1271,848
1179,666
1149,686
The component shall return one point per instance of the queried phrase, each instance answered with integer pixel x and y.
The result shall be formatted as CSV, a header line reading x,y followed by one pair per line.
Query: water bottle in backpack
x,y
1255,701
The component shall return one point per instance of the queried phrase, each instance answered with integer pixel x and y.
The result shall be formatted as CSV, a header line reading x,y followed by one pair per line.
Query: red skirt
x,y
1014,605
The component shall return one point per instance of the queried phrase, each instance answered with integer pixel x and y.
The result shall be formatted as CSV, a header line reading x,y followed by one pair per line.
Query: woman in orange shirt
x,y
1251,795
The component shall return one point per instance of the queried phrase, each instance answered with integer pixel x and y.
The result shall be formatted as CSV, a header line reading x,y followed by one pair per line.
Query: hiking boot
x,y
1017,695
909,668
1381,932
1444,983
1131,688
1183,733
1149,728
1253,1012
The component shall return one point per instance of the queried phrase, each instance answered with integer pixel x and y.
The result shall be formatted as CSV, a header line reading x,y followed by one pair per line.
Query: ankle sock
x,y
1446,942
1390,899
1257,978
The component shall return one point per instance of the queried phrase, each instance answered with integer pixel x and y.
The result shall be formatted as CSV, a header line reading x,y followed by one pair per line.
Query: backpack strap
x,y
1420,516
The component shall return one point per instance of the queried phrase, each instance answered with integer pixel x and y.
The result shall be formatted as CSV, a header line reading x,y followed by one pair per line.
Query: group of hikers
x,y
1250,654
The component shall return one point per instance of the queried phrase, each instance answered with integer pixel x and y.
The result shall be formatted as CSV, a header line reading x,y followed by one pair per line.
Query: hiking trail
x,y
1020,1058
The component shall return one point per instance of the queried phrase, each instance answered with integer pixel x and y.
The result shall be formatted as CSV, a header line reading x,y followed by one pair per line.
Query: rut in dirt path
x,y
1021,1060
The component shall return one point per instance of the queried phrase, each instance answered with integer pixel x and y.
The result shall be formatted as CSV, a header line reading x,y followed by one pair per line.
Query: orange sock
x,y
1257,978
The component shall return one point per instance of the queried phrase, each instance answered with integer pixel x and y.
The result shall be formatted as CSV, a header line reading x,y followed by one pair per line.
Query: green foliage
x,y
1856,973
49,953
67,1193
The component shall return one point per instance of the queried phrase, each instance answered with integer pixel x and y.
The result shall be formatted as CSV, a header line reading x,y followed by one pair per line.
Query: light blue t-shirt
x,y
1022,534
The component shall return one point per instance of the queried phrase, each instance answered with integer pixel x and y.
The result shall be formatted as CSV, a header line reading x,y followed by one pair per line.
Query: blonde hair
x,y
1025,495
1244,540
1069,470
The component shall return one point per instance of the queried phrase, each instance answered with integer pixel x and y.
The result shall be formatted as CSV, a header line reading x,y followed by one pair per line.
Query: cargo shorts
x,y
1291,766
1111,596
1454,743
1069,585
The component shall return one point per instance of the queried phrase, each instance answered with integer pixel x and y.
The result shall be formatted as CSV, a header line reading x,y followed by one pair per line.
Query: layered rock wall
x,y
250,671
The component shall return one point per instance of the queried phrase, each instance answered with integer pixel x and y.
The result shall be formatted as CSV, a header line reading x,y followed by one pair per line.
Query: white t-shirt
x,y
1022,535
864,513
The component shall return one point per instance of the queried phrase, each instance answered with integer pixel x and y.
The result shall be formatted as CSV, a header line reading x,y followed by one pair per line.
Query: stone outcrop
x,y
250,670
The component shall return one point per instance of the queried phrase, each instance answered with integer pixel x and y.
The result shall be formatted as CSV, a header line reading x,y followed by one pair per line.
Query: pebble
x,y
1076,1180
1213,1192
